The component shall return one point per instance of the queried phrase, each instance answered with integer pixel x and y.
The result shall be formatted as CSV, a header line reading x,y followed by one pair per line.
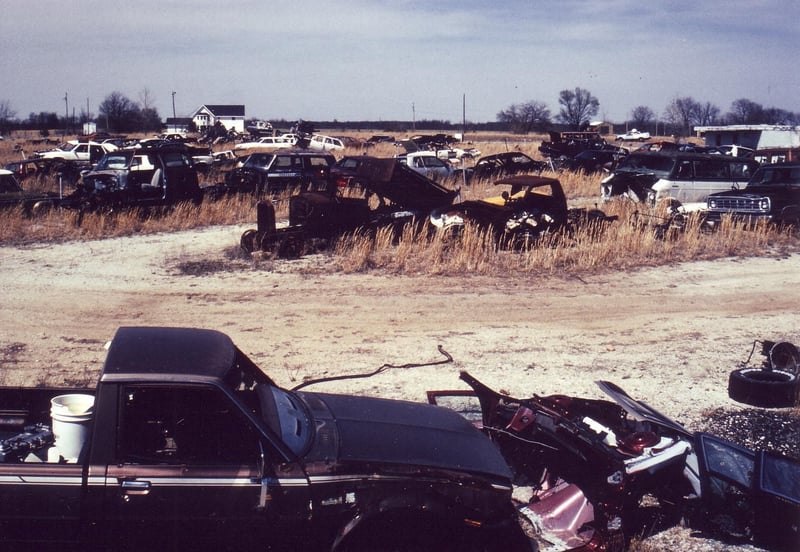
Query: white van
x,y
688,177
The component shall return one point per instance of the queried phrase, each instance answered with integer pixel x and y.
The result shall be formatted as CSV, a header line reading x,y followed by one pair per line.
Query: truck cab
x,y
188,443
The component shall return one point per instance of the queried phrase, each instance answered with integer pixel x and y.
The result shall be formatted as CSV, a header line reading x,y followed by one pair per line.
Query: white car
x,y
428,164
634,134
77,151
268,143
321,142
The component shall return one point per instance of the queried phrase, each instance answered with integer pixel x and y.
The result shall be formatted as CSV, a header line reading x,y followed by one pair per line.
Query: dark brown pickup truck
x,y
185,442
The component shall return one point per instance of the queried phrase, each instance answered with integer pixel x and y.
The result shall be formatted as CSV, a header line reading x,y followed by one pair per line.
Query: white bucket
x,y
71,416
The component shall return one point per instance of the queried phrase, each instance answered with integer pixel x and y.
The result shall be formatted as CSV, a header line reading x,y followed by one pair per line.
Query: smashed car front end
x,y
382,459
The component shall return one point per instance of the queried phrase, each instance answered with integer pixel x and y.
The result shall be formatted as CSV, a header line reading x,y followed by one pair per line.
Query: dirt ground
x,y
667,335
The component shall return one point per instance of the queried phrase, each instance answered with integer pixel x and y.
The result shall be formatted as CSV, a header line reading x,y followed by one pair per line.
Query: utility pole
x,y
413,118
66,114
463,116
173,105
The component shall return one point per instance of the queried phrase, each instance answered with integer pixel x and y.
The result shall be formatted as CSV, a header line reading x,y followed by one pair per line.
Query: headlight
x,y
764,204
712,203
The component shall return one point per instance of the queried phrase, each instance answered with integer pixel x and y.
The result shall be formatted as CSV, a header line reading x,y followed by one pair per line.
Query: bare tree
x,y
745,112
577,107
525,117
642,117
6,115
682,113
121,114
707,114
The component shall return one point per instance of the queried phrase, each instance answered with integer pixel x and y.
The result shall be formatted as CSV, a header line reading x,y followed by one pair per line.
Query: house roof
x,y
222,110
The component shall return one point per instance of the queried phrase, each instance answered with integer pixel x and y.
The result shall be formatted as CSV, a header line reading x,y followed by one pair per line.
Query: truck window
x,y
185,425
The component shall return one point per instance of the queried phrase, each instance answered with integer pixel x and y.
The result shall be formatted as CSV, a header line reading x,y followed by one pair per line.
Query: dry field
x,y
667,320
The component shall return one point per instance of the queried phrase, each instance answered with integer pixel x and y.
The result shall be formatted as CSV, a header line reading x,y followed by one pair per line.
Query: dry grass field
x,y
620,246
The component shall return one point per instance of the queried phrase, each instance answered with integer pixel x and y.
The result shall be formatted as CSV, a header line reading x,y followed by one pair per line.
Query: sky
x,y
400,60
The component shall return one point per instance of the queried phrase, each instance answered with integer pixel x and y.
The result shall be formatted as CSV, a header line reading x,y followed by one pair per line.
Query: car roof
x,y
138,352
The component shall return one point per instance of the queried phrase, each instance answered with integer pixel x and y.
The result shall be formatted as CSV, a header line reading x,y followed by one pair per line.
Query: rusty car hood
x,y
409,434
404,187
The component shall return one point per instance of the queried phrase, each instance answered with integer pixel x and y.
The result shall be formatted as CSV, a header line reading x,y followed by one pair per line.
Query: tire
x,y
764,388
248,241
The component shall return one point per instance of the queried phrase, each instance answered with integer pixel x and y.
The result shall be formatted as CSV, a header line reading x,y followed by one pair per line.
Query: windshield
x,y
113,162
258,161
281,410
647,164
776,176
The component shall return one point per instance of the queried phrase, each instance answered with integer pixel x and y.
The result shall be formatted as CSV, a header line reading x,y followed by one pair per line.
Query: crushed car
x,y
772,195
532,207
501,164
391,195
570,144
585,468
12,196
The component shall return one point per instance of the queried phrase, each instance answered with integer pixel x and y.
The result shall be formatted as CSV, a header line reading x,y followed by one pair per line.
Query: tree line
x,y
577,107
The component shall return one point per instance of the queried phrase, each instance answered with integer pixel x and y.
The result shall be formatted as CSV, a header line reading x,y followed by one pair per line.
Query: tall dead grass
x,y
621,245
597,247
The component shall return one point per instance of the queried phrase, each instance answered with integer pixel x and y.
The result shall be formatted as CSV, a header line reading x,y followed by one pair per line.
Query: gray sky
x,y
359,60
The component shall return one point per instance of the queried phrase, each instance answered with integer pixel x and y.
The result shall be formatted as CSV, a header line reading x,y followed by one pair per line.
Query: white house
x,y
230,116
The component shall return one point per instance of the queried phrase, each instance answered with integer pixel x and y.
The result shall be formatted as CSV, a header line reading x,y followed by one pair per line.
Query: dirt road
x,y
667,335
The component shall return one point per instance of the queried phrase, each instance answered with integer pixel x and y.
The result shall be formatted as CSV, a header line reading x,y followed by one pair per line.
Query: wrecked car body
x,y
137,178
586,466
534,206
685,176
502,164
772,194
12,196
392,195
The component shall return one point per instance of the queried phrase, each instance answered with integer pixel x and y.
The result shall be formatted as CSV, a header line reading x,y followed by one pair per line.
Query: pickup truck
x,y
633,135
185,442
77,151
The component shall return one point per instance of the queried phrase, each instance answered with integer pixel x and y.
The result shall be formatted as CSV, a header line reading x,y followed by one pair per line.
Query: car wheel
x,y
248,241
764,388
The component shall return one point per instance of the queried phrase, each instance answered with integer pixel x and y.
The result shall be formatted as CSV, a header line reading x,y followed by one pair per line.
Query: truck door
x,y
189,468
40,502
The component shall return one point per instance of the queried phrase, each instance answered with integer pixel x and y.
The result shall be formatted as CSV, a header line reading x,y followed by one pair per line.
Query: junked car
x,y
427,163
772,194
683,176
391,196
265,173
587,466
320,142
532,207
77,151
502,164
12,195
267,143
137,178
185,444
634,135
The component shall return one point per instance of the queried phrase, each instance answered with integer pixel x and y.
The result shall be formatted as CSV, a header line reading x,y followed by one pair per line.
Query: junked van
x,y
685,176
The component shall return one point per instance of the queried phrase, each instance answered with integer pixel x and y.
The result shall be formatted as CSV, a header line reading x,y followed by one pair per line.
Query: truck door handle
x,y
136,488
